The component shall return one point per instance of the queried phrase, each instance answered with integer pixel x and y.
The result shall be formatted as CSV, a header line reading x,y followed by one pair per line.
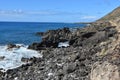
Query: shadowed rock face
x,y
42,45
52,38
87,36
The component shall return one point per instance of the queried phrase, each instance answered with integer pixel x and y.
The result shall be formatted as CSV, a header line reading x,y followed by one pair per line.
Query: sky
x,y
55,10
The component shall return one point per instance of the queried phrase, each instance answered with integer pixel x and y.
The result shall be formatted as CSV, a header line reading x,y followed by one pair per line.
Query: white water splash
x,y
63,44
12,58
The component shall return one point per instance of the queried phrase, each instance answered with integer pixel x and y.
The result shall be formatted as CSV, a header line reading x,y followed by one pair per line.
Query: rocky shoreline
x,y
85,59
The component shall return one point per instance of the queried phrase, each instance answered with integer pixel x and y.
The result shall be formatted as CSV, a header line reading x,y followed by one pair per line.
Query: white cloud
x,y
45,15
41,13
89,17
21,12
11,12
38,12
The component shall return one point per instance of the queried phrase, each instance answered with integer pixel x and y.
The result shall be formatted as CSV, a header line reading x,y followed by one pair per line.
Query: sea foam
x,y
10,59
63,44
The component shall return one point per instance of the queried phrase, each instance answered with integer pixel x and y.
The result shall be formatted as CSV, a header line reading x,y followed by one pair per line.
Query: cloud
x,y
11,12
44,15
21,13
53,13
89,17
39,12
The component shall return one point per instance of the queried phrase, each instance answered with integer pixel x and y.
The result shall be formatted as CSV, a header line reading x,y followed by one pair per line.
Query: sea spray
x,y
11,59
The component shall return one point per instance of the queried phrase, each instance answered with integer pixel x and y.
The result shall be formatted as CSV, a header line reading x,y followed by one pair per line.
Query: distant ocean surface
x,y
25,32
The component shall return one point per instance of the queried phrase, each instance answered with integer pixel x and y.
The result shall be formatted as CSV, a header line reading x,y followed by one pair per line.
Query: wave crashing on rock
x,y
11,57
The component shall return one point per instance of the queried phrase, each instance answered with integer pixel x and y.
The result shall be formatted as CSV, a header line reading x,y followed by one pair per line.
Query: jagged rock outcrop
x,y
85,37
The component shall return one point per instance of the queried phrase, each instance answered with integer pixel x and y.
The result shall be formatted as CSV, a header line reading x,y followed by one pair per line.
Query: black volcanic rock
x,y
43,45
88,36
57,35
11,45
52,38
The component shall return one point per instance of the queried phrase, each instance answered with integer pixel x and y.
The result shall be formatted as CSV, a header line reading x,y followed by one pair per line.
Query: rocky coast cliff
x,y
92,53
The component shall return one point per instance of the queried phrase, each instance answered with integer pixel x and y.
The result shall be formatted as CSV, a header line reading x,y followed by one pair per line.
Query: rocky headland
x,y
93,54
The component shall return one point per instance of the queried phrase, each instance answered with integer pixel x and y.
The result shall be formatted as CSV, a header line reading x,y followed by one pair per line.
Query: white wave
x,y
10,59
63,44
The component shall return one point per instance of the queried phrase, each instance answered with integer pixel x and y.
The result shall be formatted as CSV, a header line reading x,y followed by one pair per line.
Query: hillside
x,y
112,15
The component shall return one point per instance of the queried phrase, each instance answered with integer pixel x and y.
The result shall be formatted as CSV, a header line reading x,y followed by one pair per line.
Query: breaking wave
x,y
11,58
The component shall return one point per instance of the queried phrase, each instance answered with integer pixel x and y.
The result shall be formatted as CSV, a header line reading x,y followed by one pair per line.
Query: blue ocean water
x,y
24,32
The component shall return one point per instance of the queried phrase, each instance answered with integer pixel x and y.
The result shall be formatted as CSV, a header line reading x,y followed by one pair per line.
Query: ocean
x,y
25,32
22,34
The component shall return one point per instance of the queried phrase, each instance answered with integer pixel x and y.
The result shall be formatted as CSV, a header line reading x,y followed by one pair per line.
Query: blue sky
x,y
55,10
